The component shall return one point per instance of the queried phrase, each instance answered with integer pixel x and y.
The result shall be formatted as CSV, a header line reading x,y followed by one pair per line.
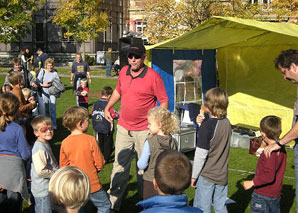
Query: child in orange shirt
x,y
81,150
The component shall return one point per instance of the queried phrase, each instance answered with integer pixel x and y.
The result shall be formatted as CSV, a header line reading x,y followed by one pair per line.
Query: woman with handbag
x,y
47,102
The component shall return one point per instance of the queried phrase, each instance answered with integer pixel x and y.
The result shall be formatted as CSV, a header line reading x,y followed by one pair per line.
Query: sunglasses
x,y
45,129
131,55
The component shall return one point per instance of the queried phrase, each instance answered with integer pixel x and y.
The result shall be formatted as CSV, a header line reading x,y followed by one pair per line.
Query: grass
x,y
241,164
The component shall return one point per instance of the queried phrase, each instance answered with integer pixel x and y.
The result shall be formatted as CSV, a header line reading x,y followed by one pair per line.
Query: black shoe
x,y
113,211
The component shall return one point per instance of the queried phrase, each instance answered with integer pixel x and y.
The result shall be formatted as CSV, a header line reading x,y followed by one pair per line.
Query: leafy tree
x,y
282,9
16,19
82,19
168,19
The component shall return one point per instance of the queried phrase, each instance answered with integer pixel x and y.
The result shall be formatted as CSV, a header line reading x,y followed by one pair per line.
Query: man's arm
x,y
165,105
89,77
291,135
71,78
113,100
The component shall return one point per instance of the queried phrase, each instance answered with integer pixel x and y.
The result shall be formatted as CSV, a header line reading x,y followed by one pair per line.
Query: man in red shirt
x,y
139,87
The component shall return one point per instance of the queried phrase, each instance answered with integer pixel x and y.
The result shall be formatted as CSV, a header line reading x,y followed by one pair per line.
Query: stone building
x,y
49,37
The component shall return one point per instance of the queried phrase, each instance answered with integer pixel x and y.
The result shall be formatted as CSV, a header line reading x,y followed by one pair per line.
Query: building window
x,y
39,31
139,27
260,1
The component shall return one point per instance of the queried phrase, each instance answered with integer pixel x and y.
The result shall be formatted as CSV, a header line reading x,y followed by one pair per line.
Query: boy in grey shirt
x,y
44,163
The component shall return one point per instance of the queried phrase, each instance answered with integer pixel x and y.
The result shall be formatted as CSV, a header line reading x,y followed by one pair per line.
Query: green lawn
x,y
241,164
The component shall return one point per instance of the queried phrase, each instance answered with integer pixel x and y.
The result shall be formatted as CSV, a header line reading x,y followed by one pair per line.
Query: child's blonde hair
x,y
216,100
39,120
84,80
26,92
15,77
69,187
73,115
48,61
167,120
9,105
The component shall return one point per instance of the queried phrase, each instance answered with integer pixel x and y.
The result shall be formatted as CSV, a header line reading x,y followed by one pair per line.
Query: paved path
x,y
68,75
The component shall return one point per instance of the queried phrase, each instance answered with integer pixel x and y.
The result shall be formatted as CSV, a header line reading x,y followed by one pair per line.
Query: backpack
x,y
100,124
57,88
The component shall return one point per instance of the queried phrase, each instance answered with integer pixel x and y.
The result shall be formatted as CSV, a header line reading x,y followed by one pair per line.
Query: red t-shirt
x,y
138,95
269,174
82,99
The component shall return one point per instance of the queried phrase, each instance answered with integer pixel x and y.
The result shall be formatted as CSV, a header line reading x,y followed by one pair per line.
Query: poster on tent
x,y
187,82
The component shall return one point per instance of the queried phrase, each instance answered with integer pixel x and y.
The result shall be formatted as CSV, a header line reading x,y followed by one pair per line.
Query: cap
x,y
137,49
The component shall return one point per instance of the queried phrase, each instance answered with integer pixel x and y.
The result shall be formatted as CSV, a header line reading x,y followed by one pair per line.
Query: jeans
x,y
207,192
42,204
296,173
101,201
108,68
49,107
263,204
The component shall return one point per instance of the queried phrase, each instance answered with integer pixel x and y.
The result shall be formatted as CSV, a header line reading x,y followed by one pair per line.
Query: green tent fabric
x,y
246,50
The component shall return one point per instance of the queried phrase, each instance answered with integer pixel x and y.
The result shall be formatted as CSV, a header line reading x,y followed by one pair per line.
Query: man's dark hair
x,y
172,172
286,58
271,126
38,49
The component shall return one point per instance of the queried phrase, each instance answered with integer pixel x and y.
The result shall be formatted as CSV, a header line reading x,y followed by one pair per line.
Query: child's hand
x,y
248,184
199,119
32,100
193,183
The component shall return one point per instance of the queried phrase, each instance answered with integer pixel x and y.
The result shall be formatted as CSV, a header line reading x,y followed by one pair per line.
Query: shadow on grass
x,y
241,197
59,135
287,198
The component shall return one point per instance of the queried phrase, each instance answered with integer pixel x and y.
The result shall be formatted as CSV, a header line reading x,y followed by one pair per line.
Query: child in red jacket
x,y
269,172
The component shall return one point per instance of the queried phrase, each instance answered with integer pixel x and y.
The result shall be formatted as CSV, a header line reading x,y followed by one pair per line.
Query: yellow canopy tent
x,y
246,50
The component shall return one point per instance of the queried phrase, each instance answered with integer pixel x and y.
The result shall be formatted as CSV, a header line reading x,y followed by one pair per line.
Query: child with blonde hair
x,y
27,93
14,149
162,124
210,168
69,189
81,150
82,93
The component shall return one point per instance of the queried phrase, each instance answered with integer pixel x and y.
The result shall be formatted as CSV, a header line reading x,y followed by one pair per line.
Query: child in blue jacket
x,y
104,129
172,176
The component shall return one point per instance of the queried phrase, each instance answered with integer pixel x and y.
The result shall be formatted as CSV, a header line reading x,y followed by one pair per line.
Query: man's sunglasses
x,y
45,129
130,56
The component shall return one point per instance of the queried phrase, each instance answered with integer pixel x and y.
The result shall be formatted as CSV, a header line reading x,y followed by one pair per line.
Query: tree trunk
x,y
84,51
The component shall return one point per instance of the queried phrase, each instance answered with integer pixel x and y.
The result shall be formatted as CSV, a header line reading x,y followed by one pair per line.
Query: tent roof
x,y
227,31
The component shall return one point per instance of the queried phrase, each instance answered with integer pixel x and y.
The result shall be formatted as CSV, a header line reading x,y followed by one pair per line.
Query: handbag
x,y
57,88
39,88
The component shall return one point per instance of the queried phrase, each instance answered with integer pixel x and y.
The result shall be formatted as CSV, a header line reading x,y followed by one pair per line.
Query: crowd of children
x,y
167,173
